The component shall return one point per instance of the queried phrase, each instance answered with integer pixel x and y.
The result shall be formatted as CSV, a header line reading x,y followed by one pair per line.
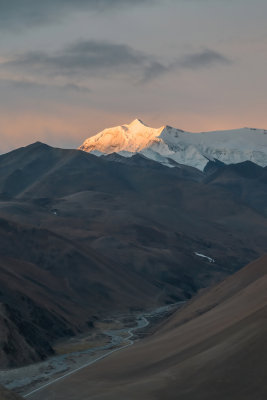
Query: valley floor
x,y
213,348
110,335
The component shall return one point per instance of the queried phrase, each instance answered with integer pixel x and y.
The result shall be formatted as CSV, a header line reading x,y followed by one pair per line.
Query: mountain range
x,y
85,236
170,146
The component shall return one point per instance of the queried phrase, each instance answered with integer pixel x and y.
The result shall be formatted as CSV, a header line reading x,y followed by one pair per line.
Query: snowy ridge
x,y
194,149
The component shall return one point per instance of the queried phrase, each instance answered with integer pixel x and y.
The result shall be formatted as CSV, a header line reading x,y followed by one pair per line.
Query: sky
x,y
69,69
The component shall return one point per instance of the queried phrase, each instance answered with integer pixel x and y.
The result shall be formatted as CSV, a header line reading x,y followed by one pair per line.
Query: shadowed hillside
x,y
215,347
83,236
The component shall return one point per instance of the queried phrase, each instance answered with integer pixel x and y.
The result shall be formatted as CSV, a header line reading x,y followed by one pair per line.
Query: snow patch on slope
x,y
211,260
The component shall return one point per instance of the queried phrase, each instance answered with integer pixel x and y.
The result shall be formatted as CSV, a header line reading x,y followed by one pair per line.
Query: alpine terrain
x,y
141,219
168,145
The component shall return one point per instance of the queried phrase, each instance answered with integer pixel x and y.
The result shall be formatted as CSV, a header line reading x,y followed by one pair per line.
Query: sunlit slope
x,y
167,145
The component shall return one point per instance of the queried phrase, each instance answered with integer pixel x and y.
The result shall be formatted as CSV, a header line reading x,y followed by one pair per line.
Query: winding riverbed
x,y
33,378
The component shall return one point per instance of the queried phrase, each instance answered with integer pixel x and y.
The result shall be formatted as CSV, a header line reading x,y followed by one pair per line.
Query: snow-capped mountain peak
x,y
167,144
132,137
137,123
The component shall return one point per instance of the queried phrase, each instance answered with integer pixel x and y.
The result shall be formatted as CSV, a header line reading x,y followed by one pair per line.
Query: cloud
x,y
81,59
17,14
154,70
25,85
205,58
90,59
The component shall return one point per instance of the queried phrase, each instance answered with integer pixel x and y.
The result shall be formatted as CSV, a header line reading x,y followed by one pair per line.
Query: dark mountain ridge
x,y
82,236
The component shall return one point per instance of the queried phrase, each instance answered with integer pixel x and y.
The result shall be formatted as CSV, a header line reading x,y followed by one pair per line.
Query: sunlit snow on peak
x,y
166,143
137,122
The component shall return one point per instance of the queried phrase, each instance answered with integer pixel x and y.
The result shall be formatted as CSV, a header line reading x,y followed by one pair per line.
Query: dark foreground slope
x,y
7,395
82,236
52,288
213,348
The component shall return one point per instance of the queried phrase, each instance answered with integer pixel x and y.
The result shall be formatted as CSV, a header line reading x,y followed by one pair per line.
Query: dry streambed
x,y
109,335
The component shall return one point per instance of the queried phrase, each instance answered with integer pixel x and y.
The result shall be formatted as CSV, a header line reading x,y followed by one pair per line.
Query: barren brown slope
x,y
214,348
7,395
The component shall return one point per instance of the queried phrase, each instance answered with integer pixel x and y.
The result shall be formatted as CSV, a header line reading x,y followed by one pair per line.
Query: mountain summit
x,y
167,144
132,137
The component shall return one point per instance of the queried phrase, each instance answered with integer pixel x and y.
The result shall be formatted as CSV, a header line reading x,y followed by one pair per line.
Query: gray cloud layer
x,y
33,86
26,13
85,59
204,58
